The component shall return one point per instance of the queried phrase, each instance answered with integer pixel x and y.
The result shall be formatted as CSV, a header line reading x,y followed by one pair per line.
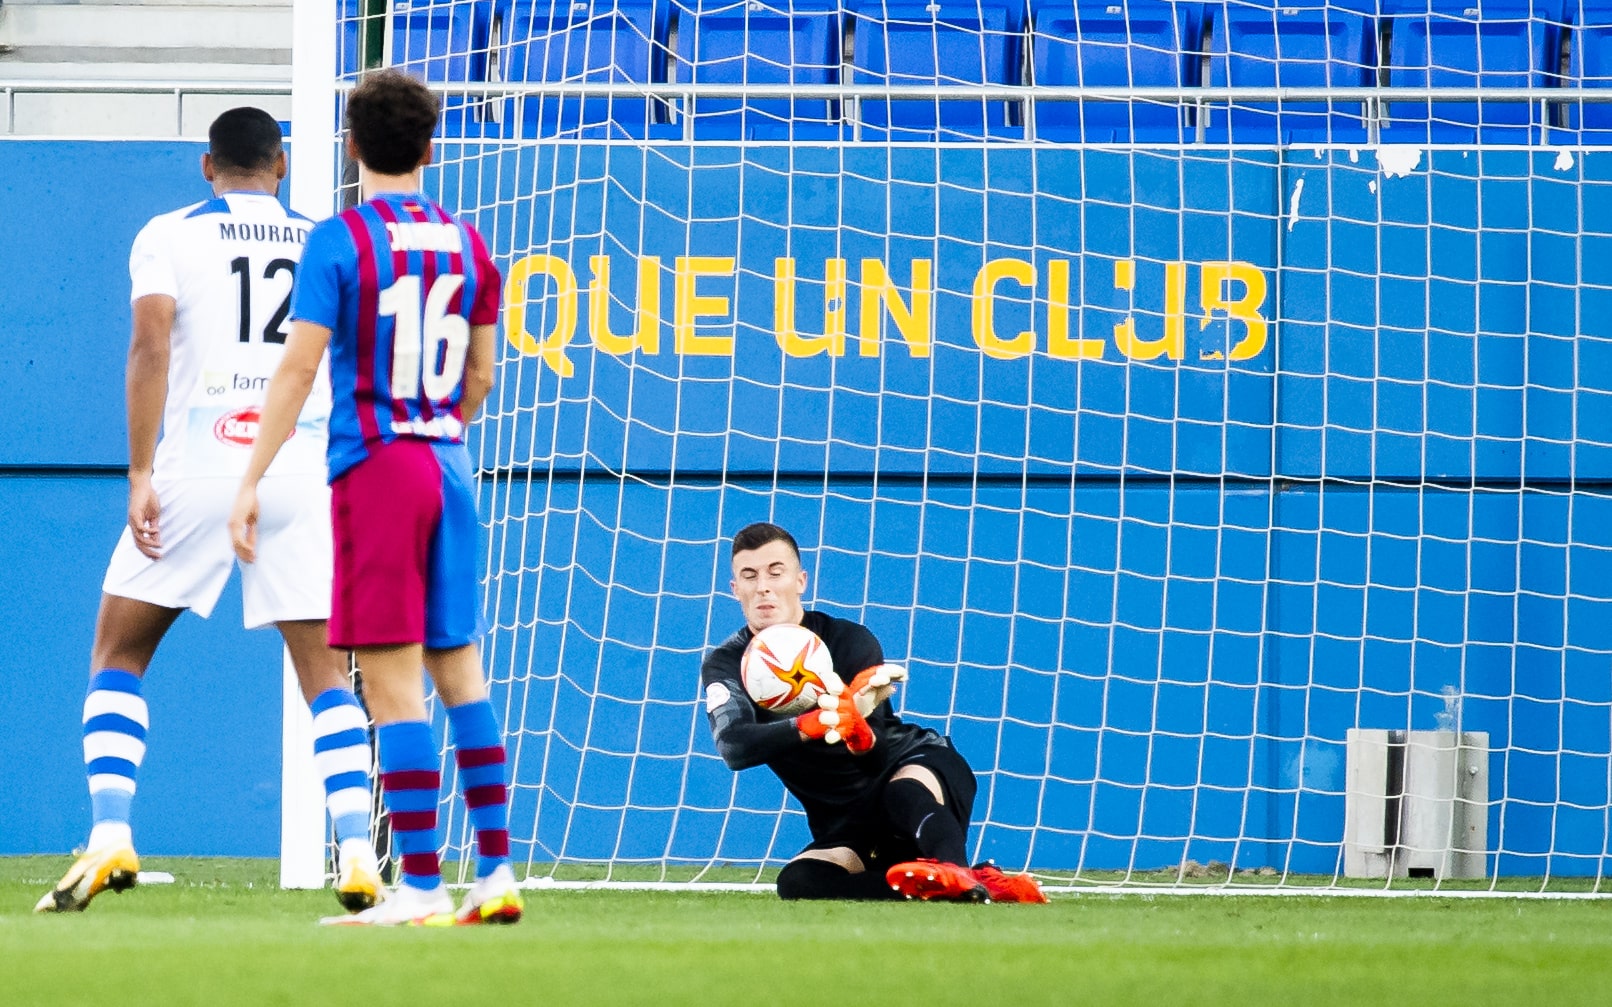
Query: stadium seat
x,y
1589,66
1099,43
599,42
959,42
1300,43
1470,43
349,43
443,41
756,42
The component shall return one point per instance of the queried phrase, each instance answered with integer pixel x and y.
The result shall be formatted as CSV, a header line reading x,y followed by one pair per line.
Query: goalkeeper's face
x,y
768,581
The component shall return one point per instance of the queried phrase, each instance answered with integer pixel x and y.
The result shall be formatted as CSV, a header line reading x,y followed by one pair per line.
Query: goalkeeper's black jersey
x,y
827,780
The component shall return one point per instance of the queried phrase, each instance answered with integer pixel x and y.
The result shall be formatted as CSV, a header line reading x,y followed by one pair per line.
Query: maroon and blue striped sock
x,y
411,780
479,751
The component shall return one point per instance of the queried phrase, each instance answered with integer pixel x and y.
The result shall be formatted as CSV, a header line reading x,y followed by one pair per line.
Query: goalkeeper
x,y
887,802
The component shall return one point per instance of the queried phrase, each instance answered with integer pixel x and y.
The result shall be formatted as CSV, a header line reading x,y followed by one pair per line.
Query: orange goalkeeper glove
x,y
837,720
875,685
818,725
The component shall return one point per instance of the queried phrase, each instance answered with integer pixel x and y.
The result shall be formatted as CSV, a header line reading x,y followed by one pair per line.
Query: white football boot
x,y
358,877
403,907
493,899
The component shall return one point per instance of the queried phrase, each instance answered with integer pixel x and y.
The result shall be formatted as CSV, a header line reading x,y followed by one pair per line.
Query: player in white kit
x,y
211,291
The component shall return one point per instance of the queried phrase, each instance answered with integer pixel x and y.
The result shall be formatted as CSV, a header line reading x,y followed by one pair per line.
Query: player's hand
x,y
243,523
875,685
822,723
853,727
144,512
837,720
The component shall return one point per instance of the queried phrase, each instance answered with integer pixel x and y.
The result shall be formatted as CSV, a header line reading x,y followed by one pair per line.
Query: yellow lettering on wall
x,y
688,306
1245,309
984,308
646,337
881,297
1058,342
551,348
1125,279
832,341
1175,309
1172,343
835,285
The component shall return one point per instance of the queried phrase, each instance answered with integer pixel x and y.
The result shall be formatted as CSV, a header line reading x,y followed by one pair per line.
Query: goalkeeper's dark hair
x,y
754,536
392,116
244,139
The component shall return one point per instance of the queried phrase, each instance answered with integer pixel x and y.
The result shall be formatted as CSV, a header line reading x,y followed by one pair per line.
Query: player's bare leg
x,y
478,745
318,667
127,633
341,757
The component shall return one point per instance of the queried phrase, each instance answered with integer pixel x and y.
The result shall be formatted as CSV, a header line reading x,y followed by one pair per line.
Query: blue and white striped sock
x,y
115,723
341,757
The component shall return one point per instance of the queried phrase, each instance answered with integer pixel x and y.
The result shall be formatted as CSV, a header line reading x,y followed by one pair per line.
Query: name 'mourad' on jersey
x,y
229,264
399,282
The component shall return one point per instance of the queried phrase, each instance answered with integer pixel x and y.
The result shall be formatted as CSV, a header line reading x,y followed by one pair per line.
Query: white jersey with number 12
x,y
229,264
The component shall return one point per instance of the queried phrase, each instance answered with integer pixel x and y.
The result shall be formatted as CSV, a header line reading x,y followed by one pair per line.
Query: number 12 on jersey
x,y
429,343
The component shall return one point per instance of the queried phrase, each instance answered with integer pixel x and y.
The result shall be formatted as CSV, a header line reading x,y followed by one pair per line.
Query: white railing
x,y
678,96
10,90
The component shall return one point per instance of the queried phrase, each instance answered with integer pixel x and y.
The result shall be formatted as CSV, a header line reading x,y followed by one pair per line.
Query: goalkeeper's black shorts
x,y
865,829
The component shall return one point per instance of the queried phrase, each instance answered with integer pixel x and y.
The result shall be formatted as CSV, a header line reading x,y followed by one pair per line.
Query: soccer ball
x,y
787,668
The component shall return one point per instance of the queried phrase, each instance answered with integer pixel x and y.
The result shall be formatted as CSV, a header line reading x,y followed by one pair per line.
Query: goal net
x,y
1228,467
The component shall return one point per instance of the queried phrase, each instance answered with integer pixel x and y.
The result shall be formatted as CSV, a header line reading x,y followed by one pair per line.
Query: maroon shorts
x,y
407,565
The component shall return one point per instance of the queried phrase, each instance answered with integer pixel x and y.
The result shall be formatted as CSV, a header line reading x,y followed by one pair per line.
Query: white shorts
x,y
290,580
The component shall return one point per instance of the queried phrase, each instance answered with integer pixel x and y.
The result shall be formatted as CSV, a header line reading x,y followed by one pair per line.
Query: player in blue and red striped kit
x,y
406,298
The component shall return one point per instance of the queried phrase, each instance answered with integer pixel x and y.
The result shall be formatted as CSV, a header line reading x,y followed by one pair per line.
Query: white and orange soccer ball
x,y
787,669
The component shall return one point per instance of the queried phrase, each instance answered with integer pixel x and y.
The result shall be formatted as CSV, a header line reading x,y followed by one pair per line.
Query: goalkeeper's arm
x,y
741,739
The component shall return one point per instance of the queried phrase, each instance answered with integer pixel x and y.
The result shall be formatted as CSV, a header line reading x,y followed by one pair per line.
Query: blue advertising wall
x,y
211,780
1199,459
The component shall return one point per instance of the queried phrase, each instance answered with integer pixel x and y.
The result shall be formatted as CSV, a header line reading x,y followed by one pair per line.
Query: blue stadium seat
x,y
1299,43
349,45
443,41
1119,43
583,42
761,42
1470,43
1590,66
904,43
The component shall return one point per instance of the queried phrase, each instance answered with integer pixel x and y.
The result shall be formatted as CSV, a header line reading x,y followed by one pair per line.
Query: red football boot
x,y
936,880
1008,887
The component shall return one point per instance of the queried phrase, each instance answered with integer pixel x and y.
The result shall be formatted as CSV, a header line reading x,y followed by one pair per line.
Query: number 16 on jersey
x,y
429,342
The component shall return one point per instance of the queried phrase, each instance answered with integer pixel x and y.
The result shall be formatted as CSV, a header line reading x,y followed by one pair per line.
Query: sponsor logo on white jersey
x,y
240,427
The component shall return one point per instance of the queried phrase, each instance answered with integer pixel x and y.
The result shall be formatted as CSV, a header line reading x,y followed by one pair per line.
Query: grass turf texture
x,y
224,934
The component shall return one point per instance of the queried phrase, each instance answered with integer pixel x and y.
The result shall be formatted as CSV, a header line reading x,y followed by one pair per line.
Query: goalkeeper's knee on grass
x,y
810,878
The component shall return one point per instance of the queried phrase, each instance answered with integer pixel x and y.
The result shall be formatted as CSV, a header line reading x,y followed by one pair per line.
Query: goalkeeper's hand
x,y
875,685
836,719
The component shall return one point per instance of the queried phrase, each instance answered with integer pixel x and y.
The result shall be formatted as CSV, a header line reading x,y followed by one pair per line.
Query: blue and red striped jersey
x,y
398,282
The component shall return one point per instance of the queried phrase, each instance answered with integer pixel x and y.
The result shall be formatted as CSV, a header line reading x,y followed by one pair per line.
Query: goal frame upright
x,y
313,192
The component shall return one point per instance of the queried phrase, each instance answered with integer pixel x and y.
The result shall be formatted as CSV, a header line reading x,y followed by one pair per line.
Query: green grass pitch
x,y
224,935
